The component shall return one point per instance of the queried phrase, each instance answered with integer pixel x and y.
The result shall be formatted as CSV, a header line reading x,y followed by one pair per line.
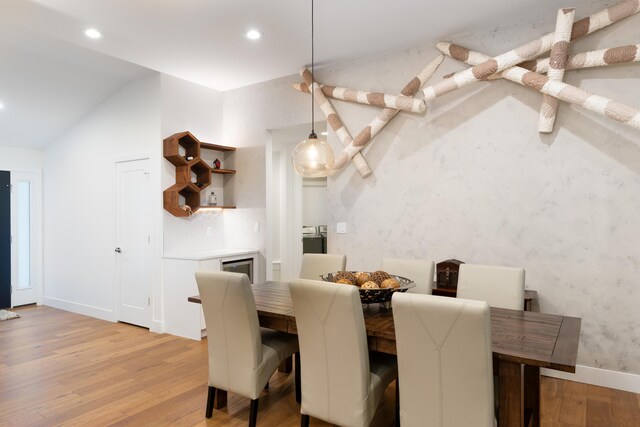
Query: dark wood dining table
x,y
522,343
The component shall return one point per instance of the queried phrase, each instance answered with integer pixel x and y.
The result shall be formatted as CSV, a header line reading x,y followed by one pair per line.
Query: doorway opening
x,y
296,207
314,215
5,239
20,238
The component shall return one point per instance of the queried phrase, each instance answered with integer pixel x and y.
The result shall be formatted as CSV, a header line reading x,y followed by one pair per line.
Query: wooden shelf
x,y
205,207
192,176
215,147
223,171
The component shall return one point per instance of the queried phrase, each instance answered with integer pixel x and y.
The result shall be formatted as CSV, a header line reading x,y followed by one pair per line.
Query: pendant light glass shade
x,y
313,158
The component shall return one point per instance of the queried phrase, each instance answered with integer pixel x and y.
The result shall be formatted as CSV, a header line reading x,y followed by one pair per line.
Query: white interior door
x,y
25,232
134,250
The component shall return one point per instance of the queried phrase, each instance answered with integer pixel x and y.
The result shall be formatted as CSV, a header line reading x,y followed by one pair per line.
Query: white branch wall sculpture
x,y
516,65
334,121
532,49
386,115
565,92
557,64
383,100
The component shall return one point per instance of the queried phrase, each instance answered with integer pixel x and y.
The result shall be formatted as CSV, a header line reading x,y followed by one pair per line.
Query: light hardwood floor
x,y
59,368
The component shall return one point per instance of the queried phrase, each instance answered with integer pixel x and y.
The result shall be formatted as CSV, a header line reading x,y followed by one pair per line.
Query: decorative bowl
x,y
371,296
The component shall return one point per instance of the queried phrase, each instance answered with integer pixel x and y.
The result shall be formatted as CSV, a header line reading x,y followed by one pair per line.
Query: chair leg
x,y
397,403
298,384
210,398
253,414
304,420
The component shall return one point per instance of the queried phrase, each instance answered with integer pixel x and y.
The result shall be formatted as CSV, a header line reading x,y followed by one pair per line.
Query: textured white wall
x,y
474,180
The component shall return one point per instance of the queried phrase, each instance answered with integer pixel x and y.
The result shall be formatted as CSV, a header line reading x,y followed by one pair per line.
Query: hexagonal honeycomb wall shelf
x,y
179,147
192,173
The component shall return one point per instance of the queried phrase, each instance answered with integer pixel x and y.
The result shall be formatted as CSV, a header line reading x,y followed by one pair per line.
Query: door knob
x,y
119,250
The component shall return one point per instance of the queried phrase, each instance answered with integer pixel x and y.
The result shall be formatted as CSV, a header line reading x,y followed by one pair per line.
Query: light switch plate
x,y
341,228
256,226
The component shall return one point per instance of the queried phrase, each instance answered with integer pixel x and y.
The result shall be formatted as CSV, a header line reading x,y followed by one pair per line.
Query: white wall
x,y
14,158
188,106
276,201
79,188
474,180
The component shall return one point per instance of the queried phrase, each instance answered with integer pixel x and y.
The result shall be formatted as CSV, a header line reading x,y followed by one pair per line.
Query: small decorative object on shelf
x,y
187,209
199,185
189,158
447,273
216,164
213,199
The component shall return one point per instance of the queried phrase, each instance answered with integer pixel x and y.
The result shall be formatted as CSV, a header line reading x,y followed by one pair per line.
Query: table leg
x,y
221,399
532,394
286,366
511,407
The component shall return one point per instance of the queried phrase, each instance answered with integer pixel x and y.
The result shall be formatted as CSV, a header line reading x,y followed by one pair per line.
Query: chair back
x,y
501,287
313,265
444,361
421,272
233,330
333,351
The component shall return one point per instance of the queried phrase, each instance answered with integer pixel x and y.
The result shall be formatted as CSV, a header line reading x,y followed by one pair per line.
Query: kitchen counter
x,y
211,254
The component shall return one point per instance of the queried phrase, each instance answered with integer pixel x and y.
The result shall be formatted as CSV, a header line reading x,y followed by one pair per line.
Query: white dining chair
x,y
421,272
242,356
342,382
501,287
444,361
313,265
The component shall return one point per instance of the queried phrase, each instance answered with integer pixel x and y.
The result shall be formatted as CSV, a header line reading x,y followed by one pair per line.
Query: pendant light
x,y
313,157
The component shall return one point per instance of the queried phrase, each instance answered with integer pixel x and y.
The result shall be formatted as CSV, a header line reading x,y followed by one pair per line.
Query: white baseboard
x,y
601,377
157,326
84,309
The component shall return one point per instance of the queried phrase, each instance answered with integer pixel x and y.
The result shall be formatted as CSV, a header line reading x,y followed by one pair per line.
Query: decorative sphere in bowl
x,y
370,290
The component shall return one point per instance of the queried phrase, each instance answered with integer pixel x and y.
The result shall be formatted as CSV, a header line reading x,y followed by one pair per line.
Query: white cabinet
x,y
184,318
181,317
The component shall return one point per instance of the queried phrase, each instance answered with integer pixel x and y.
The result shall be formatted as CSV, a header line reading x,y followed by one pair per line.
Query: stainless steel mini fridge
x,y
244,266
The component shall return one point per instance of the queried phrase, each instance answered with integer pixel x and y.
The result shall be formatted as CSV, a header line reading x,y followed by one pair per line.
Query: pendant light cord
x,y
313,76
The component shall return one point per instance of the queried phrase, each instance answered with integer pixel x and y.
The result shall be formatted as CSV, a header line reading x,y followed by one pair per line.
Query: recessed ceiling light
x,y
253,35
92,33
1,106
324,133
